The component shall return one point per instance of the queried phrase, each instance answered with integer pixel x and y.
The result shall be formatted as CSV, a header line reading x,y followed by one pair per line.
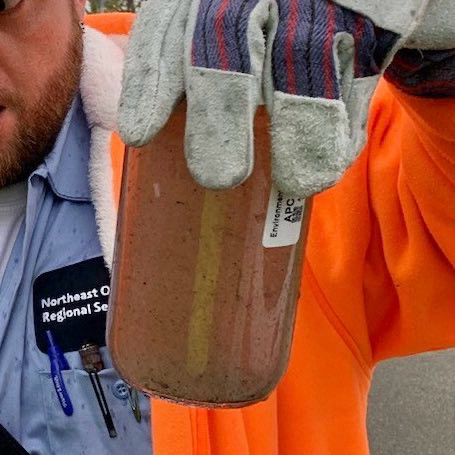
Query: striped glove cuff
x,y
424,73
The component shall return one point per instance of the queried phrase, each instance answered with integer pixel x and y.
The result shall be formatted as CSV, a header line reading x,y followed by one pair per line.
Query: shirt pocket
x,y
85,432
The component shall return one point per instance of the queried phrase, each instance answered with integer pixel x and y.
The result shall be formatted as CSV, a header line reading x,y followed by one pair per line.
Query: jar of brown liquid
x,y
201,312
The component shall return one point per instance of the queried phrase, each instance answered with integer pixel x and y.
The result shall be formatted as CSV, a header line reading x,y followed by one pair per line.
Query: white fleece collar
x,y
100,91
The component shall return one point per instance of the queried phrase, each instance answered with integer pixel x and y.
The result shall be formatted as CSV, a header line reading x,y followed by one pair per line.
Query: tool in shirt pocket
x,y
85,431
72,302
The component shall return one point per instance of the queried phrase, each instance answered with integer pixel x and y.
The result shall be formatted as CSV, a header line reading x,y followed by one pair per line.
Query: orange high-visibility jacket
x,y
378,282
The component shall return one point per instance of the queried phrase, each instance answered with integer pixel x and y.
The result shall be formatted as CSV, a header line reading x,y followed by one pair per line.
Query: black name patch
x,y
72,303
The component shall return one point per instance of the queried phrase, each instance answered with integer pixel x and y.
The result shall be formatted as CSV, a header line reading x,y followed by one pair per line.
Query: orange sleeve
x,y
379,278
412,189
382,242
322,400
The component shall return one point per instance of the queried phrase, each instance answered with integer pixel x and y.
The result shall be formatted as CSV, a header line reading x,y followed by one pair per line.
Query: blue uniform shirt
x,y
59,230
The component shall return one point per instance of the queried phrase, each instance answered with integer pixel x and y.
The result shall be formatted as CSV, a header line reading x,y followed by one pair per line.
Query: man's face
x,y
40,65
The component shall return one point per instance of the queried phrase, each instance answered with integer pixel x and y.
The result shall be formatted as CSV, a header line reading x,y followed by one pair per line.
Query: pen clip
x,y
58,364
93,363
55,353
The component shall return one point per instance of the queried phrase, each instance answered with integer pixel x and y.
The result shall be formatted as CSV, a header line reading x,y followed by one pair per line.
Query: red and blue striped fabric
x,y
424,73
221,35
303,51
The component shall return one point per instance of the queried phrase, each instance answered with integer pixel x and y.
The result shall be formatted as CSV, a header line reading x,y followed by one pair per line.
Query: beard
x,y
39,123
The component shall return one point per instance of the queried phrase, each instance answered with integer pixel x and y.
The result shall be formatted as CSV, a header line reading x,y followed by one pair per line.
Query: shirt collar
x,y
67,166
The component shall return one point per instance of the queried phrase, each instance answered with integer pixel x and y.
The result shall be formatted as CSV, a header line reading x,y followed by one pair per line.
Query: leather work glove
x,y
315,63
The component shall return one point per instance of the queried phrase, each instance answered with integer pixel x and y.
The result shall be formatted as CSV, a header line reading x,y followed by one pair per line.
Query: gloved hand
x,y
314,62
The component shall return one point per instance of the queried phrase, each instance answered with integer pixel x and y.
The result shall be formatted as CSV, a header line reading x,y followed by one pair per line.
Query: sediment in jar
x,y
201,311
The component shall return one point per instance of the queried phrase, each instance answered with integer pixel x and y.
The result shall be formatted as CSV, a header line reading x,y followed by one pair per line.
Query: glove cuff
x,y
423,73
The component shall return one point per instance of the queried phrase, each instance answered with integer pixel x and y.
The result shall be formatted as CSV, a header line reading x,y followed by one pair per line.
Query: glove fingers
x,y
309,142
224,89
219,133
326,62
153,80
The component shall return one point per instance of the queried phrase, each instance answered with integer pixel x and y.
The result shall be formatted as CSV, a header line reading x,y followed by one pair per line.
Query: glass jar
x,y
201,311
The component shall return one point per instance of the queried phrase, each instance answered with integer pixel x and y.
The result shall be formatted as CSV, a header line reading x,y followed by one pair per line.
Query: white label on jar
x,y
284,220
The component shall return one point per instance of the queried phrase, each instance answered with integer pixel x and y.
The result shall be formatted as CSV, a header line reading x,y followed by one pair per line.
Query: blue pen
x,y
59,364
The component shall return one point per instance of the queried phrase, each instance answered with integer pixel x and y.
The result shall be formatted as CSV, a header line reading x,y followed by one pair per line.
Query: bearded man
x,y
59,86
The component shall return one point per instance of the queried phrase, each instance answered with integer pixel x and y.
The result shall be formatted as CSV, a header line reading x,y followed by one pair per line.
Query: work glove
x,y
315,64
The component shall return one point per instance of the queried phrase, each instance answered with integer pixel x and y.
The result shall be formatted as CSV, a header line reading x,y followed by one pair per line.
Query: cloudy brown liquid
x,y
200,312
